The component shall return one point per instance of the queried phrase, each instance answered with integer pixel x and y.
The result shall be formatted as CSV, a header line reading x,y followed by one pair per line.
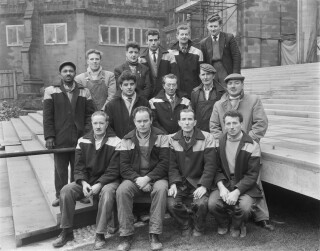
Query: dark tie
x,y
130,100
215,37
154,57
172,103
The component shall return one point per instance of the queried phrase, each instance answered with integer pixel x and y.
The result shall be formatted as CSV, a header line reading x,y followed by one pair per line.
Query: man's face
x,y
99,125
206,77
232,126
153,42
132,54
214,28
142,121
94,61
170,86
234,87
68,73
128,88
187,121
183,36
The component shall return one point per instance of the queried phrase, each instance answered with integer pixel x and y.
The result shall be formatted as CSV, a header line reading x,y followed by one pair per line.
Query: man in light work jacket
x,y
101,83
255,124
67,108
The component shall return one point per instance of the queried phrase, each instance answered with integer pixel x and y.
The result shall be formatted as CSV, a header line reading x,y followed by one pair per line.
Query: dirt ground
x,y
296,218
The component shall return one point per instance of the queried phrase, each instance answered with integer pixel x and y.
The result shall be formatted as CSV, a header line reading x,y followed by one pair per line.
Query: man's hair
x,y
142,109
127,75
170,76
233,114
187,110
133,45
100,113
152,33
214,18
183,27
93,51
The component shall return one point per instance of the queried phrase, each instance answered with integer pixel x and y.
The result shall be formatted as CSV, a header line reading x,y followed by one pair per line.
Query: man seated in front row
x,y
96,173
193,164
236,178
144,161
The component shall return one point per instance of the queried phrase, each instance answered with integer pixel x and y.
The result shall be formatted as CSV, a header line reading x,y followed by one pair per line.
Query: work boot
x,y
196,233
243,230
99,242
222,230
155,244
125,243
56,202
65,236
235,233
265,224
85,200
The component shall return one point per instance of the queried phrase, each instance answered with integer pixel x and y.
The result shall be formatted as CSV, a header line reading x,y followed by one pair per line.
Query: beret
x,y
208,68
234,76
63,64
213,18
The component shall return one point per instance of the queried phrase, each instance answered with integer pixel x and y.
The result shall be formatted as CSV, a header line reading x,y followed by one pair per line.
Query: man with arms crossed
x,y
96,173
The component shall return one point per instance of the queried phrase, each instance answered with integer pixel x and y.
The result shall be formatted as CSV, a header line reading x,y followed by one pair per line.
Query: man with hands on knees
x,y
193,163
144,161
96,174
237,177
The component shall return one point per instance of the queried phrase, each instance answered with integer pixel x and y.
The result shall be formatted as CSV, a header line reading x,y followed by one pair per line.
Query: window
x,y
15,35
112,35
55,34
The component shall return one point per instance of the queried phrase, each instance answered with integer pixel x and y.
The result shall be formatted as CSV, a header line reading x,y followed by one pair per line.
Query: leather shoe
x,y
265,224
99,242
222,230
243,231
56,202
196,233
85,201
235,233
125,243
65,236
186,232
155,244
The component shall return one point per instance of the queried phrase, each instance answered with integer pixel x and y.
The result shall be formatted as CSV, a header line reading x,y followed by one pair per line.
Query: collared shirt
x,y
98,141
94,74
69,90
172,100
232,145
151,54
129,103
183,49
234,101
216,39
207,90
144,150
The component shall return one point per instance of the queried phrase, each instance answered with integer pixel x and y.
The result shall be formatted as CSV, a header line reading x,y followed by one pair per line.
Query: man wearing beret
x,y
220,49
205,95
67,110
255,124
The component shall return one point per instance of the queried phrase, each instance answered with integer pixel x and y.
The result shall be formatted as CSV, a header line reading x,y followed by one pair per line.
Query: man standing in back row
x,y
220,49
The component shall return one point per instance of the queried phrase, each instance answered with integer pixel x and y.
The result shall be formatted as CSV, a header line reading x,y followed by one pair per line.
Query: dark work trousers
x,y
61,163
199,209
239,212
126,193
261,211
73,192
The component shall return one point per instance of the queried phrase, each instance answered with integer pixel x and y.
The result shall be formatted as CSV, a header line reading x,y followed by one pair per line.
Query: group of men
x,y
172,124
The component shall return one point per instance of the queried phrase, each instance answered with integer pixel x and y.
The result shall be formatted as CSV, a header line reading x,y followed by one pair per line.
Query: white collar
x,y
169,97
218,36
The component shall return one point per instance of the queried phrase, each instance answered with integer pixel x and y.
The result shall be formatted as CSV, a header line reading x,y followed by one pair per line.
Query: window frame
x,y
17,34
55,33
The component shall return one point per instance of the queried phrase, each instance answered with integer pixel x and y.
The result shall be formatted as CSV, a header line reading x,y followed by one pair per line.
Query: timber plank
x,y
33,126
9,134
21,130
37,117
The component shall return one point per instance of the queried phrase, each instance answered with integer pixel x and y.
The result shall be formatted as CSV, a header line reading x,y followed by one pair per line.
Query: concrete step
x,y
21,129
291,102
32,125
31,214
289,113
307,108
9,135
37,117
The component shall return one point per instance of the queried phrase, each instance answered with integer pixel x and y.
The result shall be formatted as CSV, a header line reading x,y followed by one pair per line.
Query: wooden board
x,y
9,134
37,117
32,125
21,130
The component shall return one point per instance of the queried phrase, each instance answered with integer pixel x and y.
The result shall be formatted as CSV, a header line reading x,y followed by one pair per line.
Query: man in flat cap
x,y
220,49
67,110
205,95
255,124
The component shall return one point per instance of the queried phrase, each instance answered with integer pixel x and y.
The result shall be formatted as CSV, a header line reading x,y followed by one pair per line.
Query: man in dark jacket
x,y
193,164
141,71
167,105
188,59
237,177
120,108
144,160
159,61
67,108
96,173
220,49
205,95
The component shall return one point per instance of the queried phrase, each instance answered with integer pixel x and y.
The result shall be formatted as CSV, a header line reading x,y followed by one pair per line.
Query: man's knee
x,y
67,189
125,188
245,204
170,203
214,202
160,188
108,191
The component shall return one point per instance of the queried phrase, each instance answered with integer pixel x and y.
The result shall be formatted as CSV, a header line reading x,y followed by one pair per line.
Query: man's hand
x,y
86,189
173,190
142,181
224,193
233,197
96,188
147,188
50,143
199,192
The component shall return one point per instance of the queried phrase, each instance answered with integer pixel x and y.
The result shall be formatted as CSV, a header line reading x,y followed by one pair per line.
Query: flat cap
x,y
63,64
208,68
213,18
234,76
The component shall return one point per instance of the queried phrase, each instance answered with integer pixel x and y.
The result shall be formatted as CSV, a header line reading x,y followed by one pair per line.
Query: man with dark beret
x,y
67,109
220,49
204,96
